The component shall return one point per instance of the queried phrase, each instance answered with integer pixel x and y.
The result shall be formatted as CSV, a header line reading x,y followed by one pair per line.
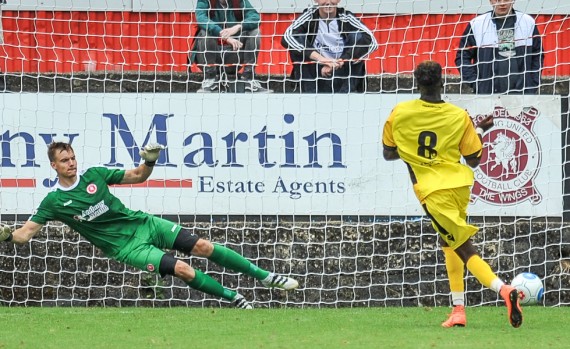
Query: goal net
x,y
294,181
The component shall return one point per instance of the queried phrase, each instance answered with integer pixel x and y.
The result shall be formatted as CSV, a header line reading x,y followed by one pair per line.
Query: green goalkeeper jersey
x,y
89,208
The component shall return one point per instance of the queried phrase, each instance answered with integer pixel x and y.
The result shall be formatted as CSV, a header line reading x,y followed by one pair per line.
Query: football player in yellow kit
x,y
430,136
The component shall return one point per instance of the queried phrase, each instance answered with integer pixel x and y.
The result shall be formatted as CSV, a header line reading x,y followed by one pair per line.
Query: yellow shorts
x,y
447,209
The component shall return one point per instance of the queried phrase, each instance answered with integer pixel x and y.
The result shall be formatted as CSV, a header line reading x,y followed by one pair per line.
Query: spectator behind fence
x,y
501,51
328,45
227,39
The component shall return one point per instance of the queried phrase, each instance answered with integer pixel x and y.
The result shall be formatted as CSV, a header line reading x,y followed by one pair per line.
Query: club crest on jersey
x,y
510,161
150,267
91,188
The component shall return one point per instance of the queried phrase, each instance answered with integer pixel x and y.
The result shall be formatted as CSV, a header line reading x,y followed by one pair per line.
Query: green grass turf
x,y
209,328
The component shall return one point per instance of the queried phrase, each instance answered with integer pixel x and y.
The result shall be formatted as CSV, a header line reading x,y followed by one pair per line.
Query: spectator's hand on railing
x,y
331,63
235,44
326,71
229,32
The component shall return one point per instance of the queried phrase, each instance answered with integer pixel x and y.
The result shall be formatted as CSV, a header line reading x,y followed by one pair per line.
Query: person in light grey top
x,y
328,46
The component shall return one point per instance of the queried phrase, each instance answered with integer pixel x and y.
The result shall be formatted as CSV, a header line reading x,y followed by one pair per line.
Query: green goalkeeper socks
x,y
230,259
203,282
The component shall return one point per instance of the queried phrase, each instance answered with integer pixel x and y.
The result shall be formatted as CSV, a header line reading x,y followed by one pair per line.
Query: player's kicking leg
x,y
511,297
485,275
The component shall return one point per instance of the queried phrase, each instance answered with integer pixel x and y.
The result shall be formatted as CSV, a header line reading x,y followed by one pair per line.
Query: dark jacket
x,y
212,17
299,38
479,57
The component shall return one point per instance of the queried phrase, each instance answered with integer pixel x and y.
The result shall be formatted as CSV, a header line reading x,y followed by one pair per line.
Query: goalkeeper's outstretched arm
x,y
137,175
21,235
149,154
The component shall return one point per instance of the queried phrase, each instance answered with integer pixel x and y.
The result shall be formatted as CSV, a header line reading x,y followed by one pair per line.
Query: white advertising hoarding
x,y
68,5
294,6
287,154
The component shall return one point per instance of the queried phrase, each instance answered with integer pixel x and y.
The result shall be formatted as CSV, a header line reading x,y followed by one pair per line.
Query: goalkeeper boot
x,y
280,281
240,302
511,297
456,318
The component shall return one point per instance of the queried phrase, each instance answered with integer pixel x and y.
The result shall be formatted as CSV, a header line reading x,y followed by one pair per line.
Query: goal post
x,y
294,182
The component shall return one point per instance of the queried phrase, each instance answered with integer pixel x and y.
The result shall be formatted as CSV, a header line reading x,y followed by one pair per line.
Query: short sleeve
x,y
387,134
111,176
470,144
43,214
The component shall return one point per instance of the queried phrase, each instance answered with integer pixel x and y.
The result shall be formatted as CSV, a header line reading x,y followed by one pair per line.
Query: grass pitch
x,y
210,328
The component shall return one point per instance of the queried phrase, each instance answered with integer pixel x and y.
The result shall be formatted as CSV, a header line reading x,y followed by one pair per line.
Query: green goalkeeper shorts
x,y
145,249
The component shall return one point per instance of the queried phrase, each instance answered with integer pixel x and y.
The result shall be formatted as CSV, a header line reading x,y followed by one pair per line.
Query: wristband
x,y
150,163
479,131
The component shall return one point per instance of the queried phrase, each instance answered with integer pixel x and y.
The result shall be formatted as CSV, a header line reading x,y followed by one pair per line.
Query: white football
x,y
530,288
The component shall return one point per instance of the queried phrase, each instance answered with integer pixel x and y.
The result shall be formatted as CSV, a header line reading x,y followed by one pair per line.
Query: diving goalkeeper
x,y
83,202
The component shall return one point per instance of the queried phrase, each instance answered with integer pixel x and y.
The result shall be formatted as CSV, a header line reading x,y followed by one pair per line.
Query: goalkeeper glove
x,y
6,233
150,153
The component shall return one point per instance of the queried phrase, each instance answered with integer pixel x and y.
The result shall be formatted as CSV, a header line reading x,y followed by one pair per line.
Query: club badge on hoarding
x,y
511,159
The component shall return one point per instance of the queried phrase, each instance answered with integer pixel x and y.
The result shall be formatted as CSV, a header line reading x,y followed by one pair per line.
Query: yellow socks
x,y
455,270
481,270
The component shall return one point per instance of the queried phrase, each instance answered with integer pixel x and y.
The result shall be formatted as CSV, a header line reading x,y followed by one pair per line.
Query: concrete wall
x,y
190,82
338,264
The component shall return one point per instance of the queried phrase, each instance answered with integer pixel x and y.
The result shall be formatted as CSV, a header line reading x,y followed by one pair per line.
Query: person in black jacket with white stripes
x,y
328,46
501,52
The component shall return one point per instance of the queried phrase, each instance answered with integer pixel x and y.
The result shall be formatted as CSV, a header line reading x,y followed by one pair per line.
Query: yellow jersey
x,y
431,138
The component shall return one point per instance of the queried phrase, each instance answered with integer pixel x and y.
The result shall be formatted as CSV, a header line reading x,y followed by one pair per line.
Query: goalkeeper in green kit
x,y
83,202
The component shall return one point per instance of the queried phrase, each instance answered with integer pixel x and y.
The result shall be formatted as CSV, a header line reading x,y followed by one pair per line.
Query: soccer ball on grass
x,y
530,288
